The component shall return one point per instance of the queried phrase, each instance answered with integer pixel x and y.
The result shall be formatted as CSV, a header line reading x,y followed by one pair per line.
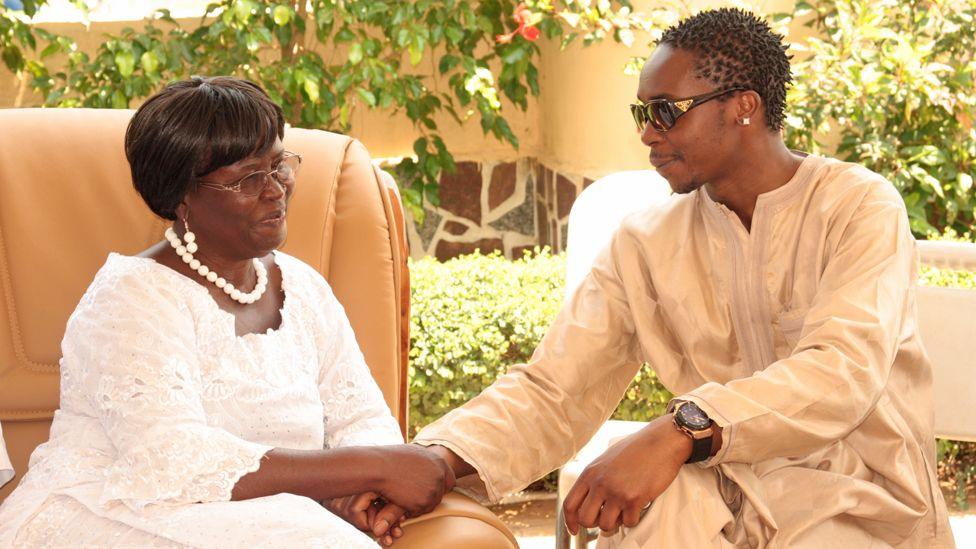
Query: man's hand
x,y
388,516
617,486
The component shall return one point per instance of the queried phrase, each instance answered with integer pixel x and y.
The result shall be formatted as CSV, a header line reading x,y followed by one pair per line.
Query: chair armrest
x,y
458,522
394,212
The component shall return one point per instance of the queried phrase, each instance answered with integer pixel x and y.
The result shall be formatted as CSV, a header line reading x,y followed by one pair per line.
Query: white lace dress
x,y
164,408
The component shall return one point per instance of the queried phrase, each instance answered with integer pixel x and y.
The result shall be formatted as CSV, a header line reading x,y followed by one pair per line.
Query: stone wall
x,y
505,206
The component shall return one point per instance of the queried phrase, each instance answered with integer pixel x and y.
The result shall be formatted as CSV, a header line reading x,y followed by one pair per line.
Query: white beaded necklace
x,y
185,251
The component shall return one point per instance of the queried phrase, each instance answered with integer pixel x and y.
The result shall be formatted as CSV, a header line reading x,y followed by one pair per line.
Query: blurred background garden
x,y
495,115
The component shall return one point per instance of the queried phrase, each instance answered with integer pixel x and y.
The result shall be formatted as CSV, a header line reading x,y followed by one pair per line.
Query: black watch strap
x,y
701,449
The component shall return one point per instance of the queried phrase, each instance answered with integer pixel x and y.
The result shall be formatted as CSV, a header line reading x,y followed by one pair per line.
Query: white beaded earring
x,y
743,122
191,239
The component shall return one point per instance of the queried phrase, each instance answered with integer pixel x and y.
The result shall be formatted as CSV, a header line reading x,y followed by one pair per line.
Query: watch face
x,y
691,416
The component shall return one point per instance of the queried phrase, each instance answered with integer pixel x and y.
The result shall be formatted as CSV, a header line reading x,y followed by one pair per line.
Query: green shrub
x,y
476,315
472,318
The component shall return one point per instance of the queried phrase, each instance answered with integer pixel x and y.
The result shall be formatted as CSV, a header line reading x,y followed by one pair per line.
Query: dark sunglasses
x,y
662,114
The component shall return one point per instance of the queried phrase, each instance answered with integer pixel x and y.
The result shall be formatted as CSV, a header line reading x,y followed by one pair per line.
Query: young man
x,y
774,294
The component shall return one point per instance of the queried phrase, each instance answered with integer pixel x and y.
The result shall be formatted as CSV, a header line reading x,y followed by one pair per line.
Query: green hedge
x,y
476,315
472,318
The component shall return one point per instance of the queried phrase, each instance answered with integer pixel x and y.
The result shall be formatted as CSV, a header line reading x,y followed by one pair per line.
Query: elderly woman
x,y
212,391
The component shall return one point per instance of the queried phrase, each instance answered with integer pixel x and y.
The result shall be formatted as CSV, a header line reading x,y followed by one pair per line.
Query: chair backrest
x,y
597,212
66,201
945,318
945,314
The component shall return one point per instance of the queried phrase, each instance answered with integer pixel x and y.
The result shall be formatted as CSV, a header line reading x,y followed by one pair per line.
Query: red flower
x,y
522,16
530,33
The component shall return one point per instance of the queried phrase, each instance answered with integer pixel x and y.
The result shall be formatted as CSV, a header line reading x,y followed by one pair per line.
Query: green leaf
x,y
513,55
367,96
125,61
965,182
264,34
119,100
50,50
447,63
416,50
925,178
355,53
149,62
242,10
311,87
13,58
281,15
344,35
453,34
420,146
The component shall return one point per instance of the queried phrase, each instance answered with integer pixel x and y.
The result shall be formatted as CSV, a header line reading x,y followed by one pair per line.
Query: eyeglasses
x,y
662,114
254,183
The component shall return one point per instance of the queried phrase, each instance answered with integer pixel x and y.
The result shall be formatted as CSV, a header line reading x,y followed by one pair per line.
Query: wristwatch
x,y
692,421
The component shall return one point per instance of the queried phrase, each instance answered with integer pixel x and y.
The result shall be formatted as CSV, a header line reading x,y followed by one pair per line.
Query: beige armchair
x,y
66,201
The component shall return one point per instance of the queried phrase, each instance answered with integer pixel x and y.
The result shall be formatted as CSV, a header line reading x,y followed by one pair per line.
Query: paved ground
x,y
534,523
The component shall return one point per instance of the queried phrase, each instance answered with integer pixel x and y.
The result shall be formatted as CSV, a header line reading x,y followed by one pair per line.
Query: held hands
x,y
615,488
409,481
390,514
412,477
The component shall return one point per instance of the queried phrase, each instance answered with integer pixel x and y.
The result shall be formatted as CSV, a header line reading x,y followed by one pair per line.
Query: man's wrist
x,y
460,467
682,441
716,438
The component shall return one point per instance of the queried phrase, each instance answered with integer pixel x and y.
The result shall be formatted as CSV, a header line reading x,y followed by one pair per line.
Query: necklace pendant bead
x,y
185,252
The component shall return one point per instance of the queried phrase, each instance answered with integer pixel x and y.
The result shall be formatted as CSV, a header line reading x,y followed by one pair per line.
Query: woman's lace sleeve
x,y
355,412
129,352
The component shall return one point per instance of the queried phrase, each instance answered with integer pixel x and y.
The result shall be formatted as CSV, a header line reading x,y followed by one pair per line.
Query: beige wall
x,y
578,125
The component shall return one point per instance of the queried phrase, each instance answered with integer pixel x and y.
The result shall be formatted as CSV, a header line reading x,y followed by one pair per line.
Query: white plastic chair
x,y
594,217
597,214
945,318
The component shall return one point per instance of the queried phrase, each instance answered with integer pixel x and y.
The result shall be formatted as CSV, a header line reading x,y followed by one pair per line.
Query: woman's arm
x,y
408,475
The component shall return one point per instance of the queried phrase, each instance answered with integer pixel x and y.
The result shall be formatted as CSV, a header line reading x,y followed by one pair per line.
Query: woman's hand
x,y
385,520
615,488
361,511
412,477
353,509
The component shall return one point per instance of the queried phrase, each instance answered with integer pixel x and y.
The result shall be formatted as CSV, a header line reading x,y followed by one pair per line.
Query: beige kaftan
x,y
799,338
